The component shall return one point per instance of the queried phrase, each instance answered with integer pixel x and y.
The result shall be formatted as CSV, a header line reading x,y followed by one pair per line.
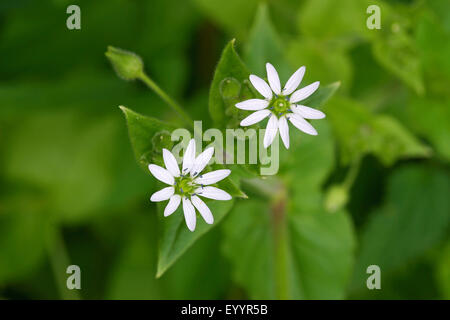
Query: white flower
x,y
187,185
281,105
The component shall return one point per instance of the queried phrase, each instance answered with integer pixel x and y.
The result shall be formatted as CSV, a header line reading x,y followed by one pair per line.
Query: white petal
x,y
212,177
302,124
161,174
261,86
203,209
255,117
173,204
274,80
307,112
171,163
163,194
252,104
201,161
271,131
189,157
294,81
189,214
305,92
284,131
213,193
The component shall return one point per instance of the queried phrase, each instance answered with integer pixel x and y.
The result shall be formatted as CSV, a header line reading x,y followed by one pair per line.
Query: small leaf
x,y
322,95
398,54
232,69
146,135
360,132
175,238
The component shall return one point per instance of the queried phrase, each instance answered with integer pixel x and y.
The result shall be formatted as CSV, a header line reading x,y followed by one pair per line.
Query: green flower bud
x,y
336,198
128,65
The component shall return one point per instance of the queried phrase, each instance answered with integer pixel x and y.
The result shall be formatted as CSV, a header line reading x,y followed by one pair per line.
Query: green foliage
x,y
264,45
148,136
360,132
230,71
414,217
370,188
175,238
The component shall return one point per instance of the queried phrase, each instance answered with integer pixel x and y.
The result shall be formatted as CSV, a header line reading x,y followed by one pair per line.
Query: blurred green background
x,y
72,193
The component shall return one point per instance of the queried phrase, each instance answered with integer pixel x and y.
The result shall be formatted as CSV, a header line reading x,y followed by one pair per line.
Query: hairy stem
x,y
172,103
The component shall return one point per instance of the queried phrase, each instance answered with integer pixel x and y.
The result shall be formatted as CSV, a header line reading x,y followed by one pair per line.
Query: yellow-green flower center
x,y
280,106
185,185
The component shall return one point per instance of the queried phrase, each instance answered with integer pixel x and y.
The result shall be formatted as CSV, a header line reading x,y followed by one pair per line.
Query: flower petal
x,y
213,193
161,174
255,117
271,131
173,204
252,104
305,92
261,86
302,124
284,131
205,212
171,163
294,81
189,157
163,194
212,177
307,112
189,214
274,79
201,161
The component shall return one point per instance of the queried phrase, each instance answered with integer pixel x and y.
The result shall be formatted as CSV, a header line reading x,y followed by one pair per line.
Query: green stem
x,y
59,261
274,190
281,260
352,173
172,103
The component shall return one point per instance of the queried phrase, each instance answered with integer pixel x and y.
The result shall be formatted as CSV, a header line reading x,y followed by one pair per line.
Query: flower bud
x,y
128,65
336,198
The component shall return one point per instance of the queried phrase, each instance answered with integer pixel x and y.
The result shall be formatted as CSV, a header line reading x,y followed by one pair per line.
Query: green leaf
x,y
313,240
148,136
230,84
322,95
175,238
360,132
233,15
326,61
432,124
413,218
398,54
330,19
264,45
310,160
